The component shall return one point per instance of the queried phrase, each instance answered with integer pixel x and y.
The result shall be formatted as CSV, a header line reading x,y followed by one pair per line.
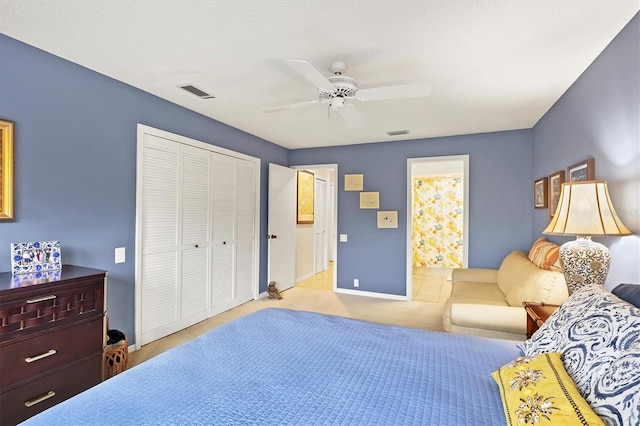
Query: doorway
x,y
437,223
316,266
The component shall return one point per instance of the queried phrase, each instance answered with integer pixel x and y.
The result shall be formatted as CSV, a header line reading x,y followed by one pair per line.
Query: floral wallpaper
x,y
438,221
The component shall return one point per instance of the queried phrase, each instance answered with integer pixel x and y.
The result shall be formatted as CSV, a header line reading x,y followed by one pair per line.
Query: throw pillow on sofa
x,y
545,255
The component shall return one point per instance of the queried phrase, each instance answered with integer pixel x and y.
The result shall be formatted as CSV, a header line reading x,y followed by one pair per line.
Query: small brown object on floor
x,y
273,292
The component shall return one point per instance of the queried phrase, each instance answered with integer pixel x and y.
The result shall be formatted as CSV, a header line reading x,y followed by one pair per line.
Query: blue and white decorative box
x,y
37,256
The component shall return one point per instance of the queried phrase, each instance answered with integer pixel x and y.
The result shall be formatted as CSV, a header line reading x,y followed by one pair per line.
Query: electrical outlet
x,y
356,282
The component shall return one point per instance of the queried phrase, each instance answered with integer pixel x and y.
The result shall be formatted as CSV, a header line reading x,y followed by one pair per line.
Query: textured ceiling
x,y
493,65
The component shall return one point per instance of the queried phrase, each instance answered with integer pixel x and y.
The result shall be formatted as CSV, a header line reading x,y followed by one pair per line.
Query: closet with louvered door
x,y
233,231
196,232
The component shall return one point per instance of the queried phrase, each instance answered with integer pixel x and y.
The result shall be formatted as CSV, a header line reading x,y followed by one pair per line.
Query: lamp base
x,y
584,262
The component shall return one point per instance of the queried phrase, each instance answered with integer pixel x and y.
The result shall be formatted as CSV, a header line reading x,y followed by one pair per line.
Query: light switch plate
x,y
343,238
120,254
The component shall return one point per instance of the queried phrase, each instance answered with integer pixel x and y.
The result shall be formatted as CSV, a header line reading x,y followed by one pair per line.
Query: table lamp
x,y
585,209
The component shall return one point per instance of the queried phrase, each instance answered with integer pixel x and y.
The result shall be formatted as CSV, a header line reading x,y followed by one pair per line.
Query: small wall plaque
x,y
369,200
388,219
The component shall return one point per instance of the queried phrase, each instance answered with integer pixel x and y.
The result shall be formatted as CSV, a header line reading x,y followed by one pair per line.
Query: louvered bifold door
x,y
159,235
194,220
222,208
244,229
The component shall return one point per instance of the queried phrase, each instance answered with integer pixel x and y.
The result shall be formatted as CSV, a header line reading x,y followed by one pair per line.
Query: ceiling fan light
x,y
337,103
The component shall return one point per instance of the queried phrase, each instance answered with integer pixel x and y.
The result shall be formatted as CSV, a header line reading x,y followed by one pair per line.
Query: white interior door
x,y
320,226
282,226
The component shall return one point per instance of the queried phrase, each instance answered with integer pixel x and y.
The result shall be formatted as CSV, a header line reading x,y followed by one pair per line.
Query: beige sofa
x,y
488,302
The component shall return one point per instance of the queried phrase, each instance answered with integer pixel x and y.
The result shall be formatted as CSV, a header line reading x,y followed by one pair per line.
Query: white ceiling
x,y
493,65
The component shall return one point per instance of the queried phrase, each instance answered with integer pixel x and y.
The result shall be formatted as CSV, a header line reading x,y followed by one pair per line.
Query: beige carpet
x,y
412,314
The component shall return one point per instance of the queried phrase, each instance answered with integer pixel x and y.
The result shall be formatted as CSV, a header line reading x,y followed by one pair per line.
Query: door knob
x,y
271,237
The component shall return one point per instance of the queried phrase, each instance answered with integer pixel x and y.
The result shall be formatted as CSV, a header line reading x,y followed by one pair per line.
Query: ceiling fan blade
x,y
310,72
291,106
351,116
418,90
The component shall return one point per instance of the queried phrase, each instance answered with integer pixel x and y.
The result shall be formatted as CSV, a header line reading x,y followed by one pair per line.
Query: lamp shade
x,y
584,208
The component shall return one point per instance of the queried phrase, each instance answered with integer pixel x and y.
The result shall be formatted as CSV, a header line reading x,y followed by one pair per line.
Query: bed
x,y
281,367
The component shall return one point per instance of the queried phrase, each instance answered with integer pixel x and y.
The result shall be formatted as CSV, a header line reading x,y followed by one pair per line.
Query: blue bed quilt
x,y
286,367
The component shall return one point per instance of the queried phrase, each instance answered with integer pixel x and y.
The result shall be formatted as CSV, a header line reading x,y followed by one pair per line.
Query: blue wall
x,y
599,117
75,162
500,204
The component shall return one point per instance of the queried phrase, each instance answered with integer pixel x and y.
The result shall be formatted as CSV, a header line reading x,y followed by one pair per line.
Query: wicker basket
x,y
115,358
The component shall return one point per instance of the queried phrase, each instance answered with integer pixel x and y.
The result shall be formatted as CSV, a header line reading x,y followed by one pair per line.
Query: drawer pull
x,y
39,357
41,299
40,399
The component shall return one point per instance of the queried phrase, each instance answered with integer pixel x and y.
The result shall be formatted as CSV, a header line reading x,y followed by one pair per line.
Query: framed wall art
x,y
369,200
555,183
388,219
306,185
540,195
354,182
6,170
36,256
584,170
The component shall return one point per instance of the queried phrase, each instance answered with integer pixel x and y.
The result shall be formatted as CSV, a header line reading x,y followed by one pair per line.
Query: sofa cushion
x,y
520,280
447,317
545,255
477,290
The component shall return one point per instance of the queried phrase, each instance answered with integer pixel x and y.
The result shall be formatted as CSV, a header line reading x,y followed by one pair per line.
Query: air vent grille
x,y
398,132
198,92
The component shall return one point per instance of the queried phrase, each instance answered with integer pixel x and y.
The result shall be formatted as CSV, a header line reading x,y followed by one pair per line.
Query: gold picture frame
x,y
306,185
6,170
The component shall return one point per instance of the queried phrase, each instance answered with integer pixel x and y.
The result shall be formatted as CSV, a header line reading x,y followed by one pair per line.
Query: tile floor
x,y
429,284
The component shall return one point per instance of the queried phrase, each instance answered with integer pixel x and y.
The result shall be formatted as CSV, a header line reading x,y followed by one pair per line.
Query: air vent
x,y
198,92
398,132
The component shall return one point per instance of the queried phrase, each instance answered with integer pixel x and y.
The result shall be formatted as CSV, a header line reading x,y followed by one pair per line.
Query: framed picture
x,y
555,183
354,182
306,185
6,170
36,256
388,219
584,170
369,200
540,196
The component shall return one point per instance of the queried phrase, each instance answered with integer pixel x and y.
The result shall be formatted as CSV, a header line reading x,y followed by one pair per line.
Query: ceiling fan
x,y
339,90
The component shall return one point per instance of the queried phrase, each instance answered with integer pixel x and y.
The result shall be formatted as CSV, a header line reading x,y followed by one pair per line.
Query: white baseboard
x,y
304,277
371,294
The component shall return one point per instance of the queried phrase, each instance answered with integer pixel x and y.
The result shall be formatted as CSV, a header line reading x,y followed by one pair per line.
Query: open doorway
x,y
316,244
437,224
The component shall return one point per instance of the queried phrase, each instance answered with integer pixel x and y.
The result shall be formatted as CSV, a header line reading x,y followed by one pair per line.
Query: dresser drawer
x,y
42,353
38,309
28,400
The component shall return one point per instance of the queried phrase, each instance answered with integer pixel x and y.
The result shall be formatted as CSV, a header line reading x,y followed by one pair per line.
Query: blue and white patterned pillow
x,y
615,396
599,336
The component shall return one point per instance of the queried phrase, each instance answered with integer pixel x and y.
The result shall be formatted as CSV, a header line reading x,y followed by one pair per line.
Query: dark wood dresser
x,y
52,335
